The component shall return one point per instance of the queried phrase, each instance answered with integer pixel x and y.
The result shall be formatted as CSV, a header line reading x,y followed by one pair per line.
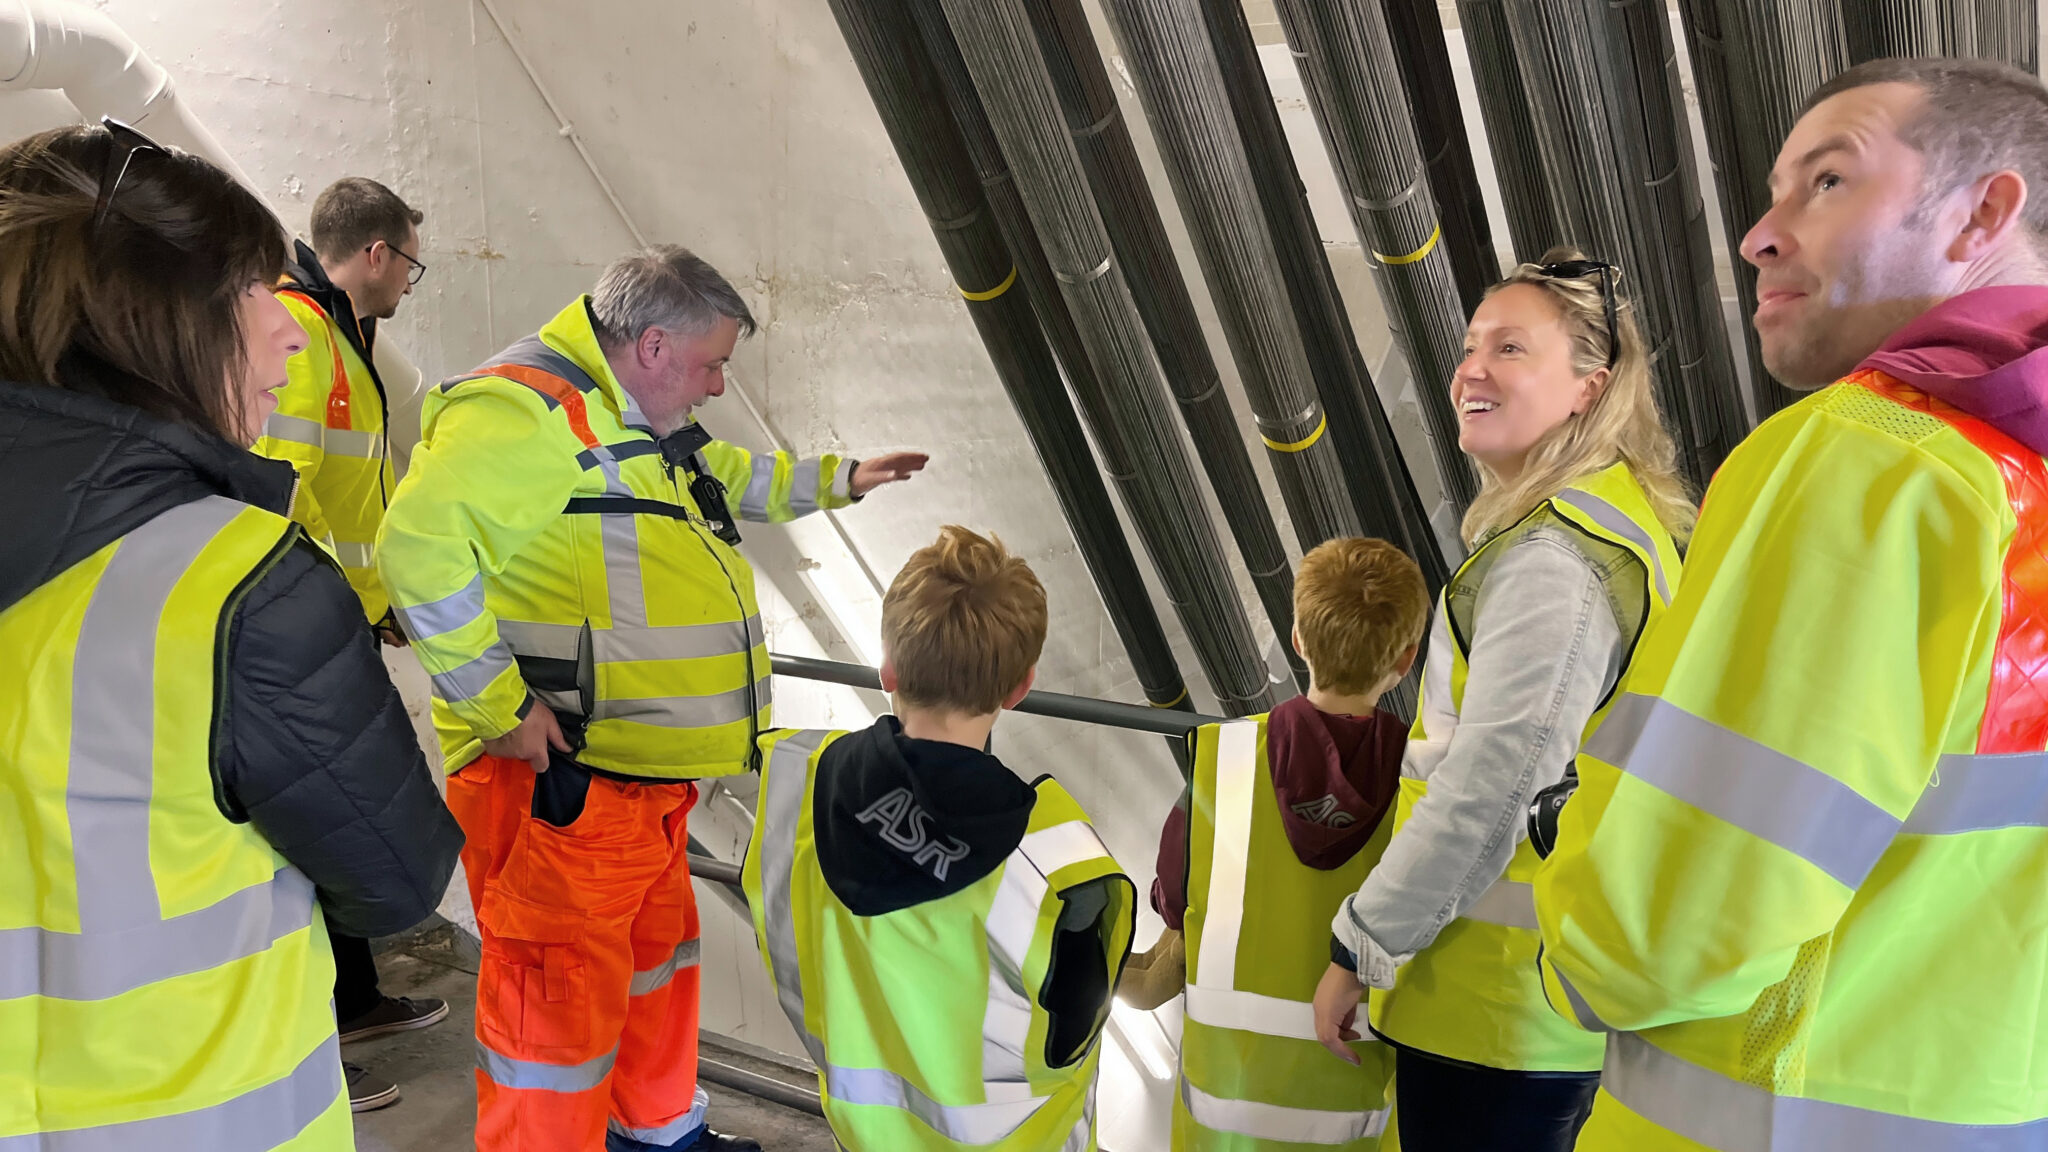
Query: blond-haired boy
x,y
943,936
1285,815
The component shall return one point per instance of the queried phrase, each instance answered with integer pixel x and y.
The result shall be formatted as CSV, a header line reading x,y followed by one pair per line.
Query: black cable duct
x,y
1109,160
1602,84
1417,31
1181,88
1346,55
2007,30
1534,224
1755,62
906,92
1000,47
1381,488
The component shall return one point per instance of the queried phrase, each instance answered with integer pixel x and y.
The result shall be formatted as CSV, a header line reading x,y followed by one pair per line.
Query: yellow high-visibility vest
x,y
165,979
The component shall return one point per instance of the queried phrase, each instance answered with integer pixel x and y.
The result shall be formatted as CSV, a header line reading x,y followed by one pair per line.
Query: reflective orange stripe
x,y
2016,709
338,391
549,384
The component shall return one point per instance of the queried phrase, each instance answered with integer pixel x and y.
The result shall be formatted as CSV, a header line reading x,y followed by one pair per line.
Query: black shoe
x,y
368,1091
709,1141
401,1015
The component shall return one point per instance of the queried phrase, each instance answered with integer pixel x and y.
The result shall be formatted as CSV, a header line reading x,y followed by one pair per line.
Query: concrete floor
x,y
438,1110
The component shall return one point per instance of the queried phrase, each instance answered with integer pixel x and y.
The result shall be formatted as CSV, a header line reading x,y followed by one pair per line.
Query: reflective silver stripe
x,y
760,483
1509,903
1581,1011
1616,521
1082,1138
1981,793
781,809
354,554
622,569
608,461
293,429
963,1123
534,352
1274,1122
440,617
363,445
469,680
507,1072
1711,1109
256,1121
671,1132
803,487
728,707
677,641
842,480
1759,790
100,965
1237,750
1251,1012
112,777
1012,925
685,956
547,641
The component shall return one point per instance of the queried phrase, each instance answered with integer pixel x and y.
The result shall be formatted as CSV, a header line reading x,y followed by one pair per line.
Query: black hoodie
x,y
313,746
901,822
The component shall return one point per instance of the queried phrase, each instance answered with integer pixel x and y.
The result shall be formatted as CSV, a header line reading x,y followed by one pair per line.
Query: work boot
x,y
705,1140
368,1091
400,1015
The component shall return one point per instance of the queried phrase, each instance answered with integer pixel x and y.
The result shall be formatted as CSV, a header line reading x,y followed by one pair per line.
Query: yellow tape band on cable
x,y
1173,703
1418,254
994,292
1302,444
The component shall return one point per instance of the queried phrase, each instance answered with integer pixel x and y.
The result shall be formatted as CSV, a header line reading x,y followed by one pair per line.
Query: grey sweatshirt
x,y
1546,649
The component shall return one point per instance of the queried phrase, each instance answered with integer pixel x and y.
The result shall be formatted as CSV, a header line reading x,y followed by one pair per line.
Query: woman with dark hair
x,y
199,750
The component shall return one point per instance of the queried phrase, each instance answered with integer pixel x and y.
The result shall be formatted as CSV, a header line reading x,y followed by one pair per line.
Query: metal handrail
x,y
1085,709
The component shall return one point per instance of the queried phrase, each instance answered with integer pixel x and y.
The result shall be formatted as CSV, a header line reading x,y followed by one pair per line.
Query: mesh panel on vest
x,y
1774,1046
1854,402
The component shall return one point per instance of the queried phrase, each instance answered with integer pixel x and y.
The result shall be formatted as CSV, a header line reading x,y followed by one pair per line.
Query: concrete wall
x,y
743,131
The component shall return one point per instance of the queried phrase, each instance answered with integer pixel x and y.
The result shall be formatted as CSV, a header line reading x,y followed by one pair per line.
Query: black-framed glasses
x,y
126,143
1578,270
413,275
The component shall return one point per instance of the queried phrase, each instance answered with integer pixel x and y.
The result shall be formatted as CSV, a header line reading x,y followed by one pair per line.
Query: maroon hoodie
x,y
1986,352
1335,778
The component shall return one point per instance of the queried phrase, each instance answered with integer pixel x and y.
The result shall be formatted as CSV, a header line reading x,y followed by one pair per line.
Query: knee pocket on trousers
x,y
533,989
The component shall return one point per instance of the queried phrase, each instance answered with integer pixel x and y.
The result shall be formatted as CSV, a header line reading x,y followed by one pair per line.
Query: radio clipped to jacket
x,y
679,449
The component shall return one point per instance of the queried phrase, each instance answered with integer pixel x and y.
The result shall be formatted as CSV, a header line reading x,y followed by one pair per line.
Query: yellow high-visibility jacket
x,y
1803,872
543,546
330,424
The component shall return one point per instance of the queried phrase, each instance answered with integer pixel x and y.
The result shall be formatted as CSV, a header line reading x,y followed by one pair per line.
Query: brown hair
x,y
1358,606
1620,425
963,623
1976,117
152,291
354,213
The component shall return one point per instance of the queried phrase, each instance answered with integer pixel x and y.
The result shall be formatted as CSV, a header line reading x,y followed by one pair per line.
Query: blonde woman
x,y
1574,542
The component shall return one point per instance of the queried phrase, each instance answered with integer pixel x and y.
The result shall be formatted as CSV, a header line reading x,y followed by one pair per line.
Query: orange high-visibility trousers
x,y
586,1008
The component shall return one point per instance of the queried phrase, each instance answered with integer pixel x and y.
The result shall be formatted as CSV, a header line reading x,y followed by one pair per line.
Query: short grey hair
x,y
668,287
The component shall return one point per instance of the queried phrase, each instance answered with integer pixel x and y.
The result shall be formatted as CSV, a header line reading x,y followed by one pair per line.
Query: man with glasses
x,y
330,424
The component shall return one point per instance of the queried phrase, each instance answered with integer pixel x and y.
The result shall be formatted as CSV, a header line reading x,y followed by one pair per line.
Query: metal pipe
x,y
1754,62
1002,54
1181,87
1059,705
1533,222
1381,488
1602,84
1109,159
1424,59
714,870
988,257
1345,51
762,1087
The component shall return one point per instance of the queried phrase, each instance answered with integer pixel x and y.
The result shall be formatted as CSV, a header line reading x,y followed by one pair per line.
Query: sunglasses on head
x,y
127,142
1580,269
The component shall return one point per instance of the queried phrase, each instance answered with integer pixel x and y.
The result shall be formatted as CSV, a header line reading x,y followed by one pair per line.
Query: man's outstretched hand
x,y
886,469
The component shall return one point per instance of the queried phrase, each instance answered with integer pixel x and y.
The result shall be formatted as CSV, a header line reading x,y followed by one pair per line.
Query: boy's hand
x,y
1337,997
1153,977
